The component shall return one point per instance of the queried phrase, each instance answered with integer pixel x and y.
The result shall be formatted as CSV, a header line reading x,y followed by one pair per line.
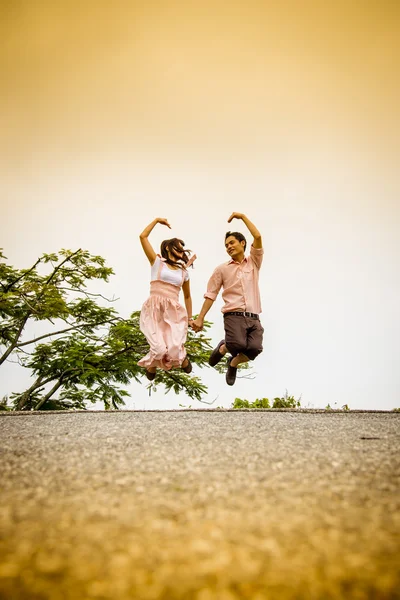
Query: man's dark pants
x,y
243,334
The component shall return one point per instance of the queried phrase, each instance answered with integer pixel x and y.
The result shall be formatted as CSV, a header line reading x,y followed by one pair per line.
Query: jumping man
x,y
239,279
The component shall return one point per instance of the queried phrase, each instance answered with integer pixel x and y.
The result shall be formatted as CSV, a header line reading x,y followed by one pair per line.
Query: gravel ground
x,y
200,506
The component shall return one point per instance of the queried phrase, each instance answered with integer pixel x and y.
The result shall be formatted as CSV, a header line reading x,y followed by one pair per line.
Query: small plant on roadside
x,y
285,402
258,403
261,403
239,403
4,403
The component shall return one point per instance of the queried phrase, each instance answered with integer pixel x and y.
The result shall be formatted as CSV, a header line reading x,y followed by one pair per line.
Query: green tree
x,y
92,369
94,352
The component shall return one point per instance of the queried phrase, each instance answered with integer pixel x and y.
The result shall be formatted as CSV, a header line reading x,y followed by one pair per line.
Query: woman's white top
x,y
162,272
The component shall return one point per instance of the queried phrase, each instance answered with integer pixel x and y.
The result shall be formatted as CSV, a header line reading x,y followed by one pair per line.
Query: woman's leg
x,y
150,325
174,332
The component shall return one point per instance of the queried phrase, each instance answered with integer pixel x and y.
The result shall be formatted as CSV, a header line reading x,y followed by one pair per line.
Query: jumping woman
x,y
163,320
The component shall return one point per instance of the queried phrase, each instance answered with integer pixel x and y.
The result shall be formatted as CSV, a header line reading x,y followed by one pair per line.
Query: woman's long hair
x,y
174,245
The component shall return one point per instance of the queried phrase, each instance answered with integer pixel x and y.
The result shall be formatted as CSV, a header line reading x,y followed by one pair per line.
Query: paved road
x,y
200,506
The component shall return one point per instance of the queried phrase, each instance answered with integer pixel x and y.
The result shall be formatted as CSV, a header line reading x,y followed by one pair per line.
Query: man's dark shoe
x,y
216,355
231,373
150,376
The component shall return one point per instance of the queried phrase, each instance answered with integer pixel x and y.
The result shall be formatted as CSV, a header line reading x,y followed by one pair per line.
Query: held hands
x,y
197,324
235,215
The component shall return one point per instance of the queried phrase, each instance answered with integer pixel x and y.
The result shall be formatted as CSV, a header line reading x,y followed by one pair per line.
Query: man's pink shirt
x,y
240,283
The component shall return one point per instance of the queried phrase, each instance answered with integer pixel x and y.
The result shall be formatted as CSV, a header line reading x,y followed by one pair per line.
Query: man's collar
x,y
235,261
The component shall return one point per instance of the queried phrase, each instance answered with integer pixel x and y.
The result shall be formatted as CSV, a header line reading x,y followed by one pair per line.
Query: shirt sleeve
x,y
257,255
187,276
214,284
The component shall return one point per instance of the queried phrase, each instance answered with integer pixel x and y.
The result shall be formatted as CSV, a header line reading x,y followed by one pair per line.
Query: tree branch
x,y
24,397
15,342
9,286
209,403
46,335
31,308
48,395
88,294
248,376
58,267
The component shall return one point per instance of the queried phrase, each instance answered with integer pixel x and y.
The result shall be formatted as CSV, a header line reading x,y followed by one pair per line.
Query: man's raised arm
x,y
257,241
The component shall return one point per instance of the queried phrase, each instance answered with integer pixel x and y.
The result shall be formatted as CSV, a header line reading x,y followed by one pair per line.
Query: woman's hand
x,y
197,324
163,222
147,247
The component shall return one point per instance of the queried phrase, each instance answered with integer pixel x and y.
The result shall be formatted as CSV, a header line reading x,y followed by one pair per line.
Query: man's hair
x,y
236,234
173,245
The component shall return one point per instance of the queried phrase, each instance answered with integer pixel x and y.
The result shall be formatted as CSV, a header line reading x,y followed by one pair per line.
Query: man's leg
x,y
239,359
235,334
254,339
217,354
236,342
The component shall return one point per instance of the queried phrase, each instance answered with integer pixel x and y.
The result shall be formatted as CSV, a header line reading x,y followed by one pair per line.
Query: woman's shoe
x,y
150,376
188,368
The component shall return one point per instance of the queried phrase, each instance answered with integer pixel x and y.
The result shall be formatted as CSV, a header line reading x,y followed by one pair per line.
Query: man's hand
x,y
257,242
197,325
235,215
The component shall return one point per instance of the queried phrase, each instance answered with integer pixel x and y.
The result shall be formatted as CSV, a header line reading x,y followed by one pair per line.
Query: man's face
x,y
233,247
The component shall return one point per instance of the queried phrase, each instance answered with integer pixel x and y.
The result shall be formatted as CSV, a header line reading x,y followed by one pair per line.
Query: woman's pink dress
x,y
164,321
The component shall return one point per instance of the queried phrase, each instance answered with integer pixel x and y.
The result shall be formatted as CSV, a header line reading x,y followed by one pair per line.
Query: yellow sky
x,y
87,76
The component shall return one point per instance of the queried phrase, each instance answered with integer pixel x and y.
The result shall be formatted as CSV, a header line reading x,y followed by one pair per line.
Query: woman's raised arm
x,y
147,247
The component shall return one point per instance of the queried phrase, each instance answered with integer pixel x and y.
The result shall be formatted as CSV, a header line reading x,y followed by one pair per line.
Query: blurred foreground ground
x,y
200,506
